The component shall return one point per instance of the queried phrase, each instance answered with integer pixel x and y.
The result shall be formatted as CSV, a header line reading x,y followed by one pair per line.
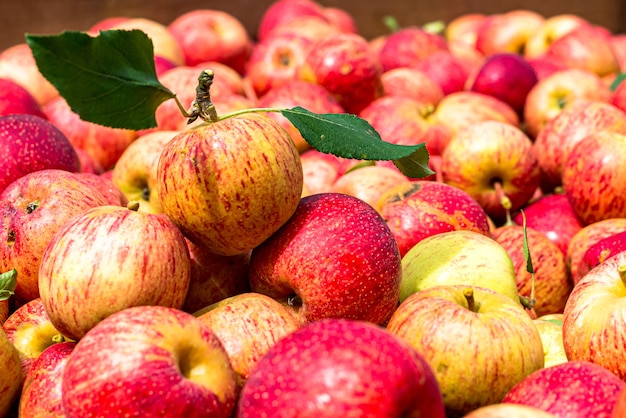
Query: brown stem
x,y
468,293
622,273
133,205
504,201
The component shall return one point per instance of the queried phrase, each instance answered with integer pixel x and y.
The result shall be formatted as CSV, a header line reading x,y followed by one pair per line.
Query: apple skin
x,y
507,31
593,319
408,46
33,208
105,186
423,208
16,99
448,70
41,393
505,76
130,258
593,177
572,389
320,170
413,83
284,11
212,35
225,209
455,258
552,215
601,251
11,378
464,28
508,410
552,281
488,160
478,353
550,328
177,368
555,140
553,28
33,143
339,367
619,410
369,183
248,325
336,257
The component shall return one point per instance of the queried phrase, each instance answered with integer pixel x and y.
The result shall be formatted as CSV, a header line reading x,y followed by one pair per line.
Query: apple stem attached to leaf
x,y
8,282
202,106
472,305
528,302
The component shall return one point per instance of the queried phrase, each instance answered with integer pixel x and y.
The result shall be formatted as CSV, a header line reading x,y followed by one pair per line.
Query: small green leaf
x,y
529,260
8,282
349,136
109,79
620,77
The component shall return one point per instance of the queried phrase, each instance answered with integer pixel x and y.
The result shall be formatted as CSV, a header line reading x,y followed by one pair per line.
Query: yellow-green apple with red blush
x,y
459,257
346,66
413,83
507,31
41,393
105,186
553,28
16,99
177,367
292,93
593,177
409,45
320,170
587,237
212,35
552,215
552,283
550,328
553,93
135,172
230,208
508,410
128,258
478,342
334,258
593,319
574,389
11,378
248,325
601,251
214,277
18,64
369,183
337,367
577,120
492,161
464,28
33,208
423,208
31,143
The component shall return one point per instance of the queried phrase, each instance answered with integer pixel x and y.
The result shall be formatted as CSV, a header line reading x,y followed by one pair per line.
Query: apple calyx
x,y
472,305
8,282
32,206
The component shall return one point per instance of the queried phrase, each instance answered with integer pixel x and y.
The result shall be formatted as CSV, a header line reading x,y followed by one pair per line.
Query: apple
x,y
544,66
248,325
458,257
320,170
338,367
464,28
214,277
618,43
312,28
552,215
508,31
413,83
551,277
129,258
492,161
619,409
478,342
408,46
553,28
33,208
11,378
334,258
292,93
41,393
550,327
340,18
162,64
508,410
601,251
230,209
103,143
345,65
212,35
31,143
177,367
88,164
593,175
31,332
106,23
423,208
447,69
281,12
572,389
18,64
587,237
16,99
105,186
505,76
593,319
552,94
555,140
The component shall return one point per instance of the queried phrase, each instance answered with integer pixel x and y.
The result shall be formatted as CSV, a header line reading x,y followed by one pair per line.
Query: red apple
x,y
41,394
464,28
16,99
335,257
508,31
413,83
162,64
409,45
30,143
338,367
573,389
618,43
88,164
448,70
320,170
284,11
106,23
601,251
33,208
369,183
553,28
177,367
129,258
11,378
341,19
508,410
619,410
545,67
212,35
105,186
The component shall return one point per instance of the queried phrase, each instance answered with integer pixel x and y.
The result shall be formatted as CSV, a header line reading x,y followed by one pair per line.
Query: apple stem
x,y
622,273
471,302
504,201
133,205
202,107
58,338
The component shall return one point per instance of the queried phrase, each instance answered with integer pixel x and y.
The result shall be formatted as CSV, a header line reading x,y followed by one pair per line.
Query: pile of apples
x,y
266,278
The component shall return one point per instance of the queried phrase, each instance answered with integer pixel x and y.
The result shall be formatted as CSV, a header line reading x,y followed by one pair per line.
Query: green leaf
x,y
8,282
109,79
527,256
620,77
349,136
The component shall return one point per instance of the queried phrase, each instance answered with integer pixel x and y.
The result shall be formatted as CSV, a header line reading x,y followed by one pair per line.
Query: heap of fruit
x,y
217,259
